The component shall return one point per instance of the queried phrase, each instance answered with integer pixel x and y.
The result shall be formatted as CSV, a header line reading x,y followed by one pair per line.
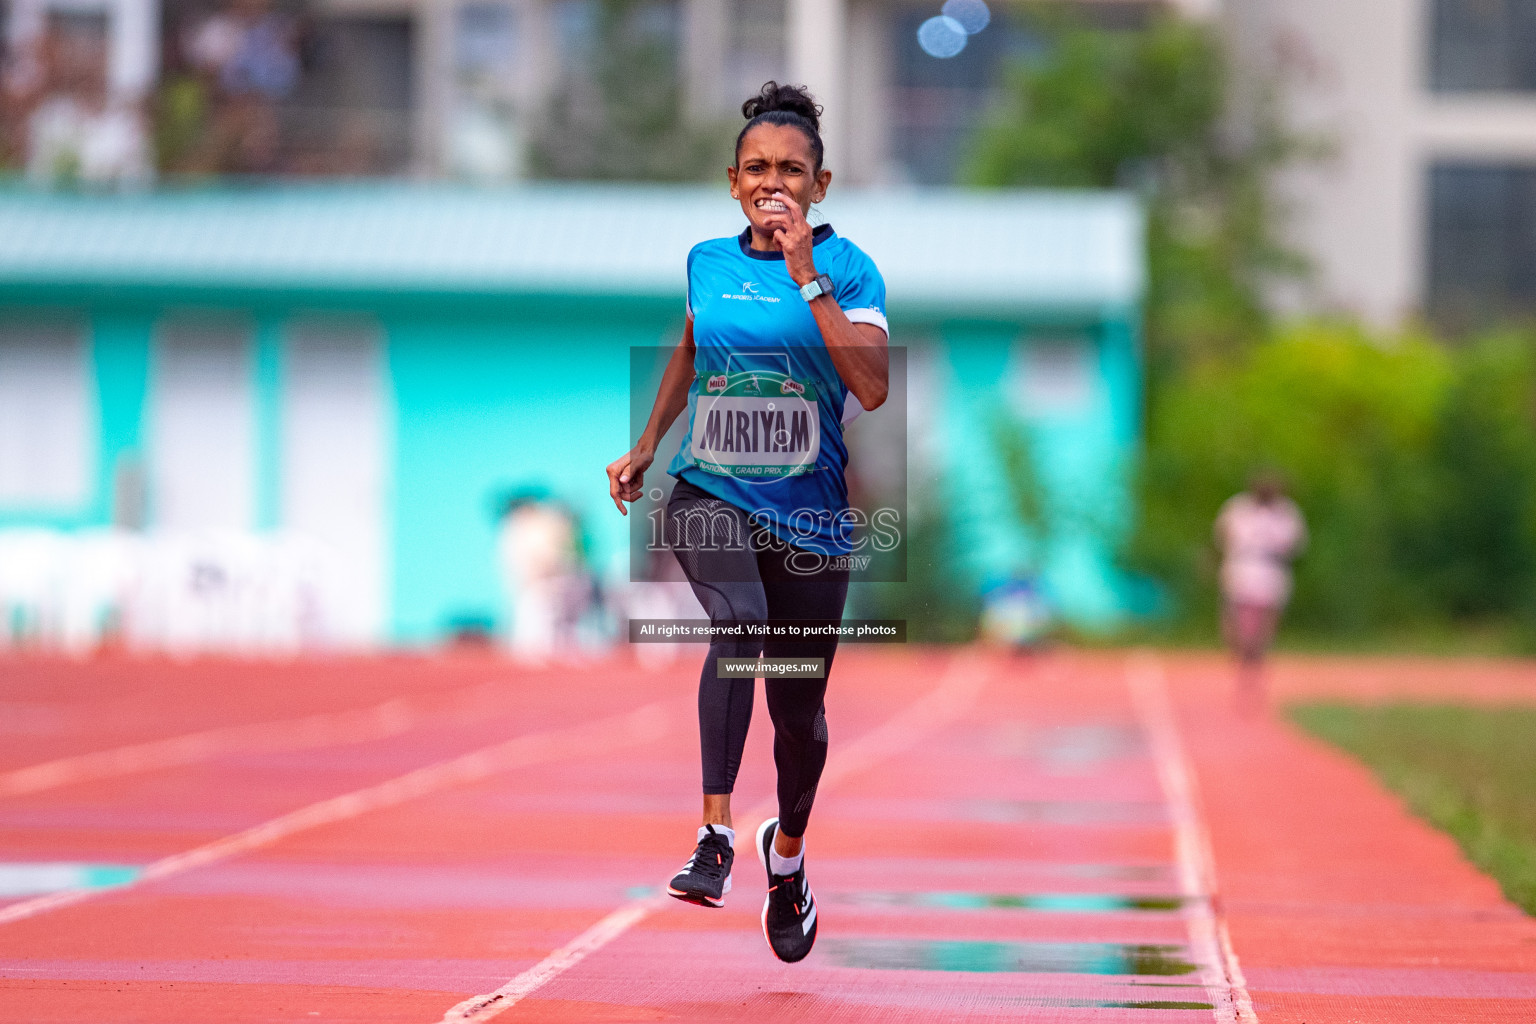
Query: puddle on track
x,y
39,878
1010,957
1059,903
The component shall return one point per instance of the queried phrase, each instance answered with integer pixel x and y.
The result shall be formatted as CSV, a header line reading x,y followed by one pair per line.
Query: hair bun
x,y
795,99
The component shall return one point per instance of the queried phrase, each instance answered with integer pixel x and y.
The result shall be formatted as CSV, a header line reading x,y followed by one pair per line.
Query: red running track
x,y
995,839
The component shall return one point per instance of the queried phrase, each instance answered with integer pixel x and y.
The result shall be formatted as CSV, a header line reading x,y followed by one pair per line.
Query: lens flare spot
x,y
973,15
941,36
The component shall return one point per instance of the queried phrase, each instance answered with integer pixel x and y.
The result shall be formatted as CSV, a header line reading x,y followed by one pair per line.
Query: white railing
x,y
177,593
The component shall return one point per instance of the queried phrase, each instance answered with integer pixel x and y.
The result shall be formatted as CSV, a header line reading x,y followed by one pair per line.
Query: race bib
x,y
756,423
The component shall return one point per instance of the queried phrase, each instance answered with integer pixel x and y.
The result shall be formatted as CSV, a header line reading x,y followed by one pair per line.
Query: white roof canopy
x,y
936,247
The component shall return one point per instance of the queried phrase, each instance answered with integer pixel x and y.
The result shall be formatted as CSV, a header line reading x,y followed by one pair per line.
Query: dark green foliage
x,y
1415,465
1100,104
1470,771
1481,553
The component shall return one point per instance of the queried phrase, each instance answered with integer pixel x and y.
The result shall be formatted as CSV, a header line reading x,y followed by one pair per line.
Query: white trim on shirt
x,y
868,315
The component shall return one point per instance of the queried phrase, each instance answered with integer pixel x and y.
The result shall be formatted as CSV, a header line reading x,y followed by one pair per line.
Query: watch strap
x,y
811,290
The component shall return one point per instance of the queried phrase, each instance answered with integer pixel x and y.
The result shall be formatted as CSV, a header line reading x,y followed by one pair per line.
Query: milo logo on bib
x,y
756,423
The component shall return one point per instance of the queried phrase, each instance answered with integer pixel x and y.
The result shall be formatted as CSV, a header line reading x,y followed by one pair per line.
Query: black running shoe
x,y
706,878
789,912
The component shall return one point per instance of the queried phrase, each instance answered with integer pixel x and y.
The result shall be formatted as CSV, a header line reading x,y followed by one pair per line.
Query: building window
x,y
1483,45
47,416
1482,241
285,87
350,111
938,103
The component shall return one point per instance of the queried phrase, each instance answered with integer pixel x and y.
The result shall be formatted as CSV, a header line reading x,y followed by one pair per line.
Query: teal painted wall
x,y
267,403
485,406
976,489
120,352
535,392
1076,460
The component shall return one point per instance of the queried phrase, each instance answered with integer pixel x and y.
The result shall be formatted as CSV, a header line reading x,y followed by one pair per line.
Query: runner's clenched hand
x,y
795,241
626,476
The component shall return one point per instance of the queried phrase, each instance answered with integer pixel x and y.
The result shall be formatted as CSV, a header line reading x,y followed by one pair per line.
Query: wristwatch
x,y
817,288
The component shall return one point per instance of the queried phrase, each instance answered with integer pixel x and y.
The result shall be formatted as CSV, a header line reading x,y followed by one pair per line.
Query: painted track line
x,y
642,725
336,728
1210,943
958,689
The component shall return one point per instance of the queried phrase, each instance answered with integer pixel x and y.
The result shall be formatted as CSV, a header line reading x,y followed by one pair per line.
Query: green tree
x,y
1147,109
1414,462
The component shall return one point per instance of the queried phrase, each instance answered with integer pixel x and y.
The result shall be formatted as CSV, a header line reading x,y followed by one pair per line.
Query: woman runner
x,y
1259,532
785,340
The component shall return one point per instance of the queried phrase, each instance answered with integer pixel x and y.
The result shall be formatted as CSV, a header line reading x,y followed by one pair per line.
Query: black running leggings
x,y
742,573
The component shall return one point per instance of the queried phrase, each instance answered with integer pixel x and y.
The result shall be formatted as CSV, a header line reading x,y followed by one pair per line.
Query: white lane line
x,y
359,725
1210,943
958,689
639,726
484,1007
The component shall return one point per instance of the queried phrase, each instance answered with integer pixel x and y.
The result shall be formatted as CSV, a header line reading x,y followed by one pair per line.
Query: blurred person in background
x,y
1258,533
247,56
544,573
1015,614
76,132
664,593
764,538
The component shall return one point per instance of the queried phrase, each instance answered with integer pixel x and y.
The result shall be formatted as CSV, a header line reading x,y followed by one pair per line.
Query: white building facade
x,y
1427,203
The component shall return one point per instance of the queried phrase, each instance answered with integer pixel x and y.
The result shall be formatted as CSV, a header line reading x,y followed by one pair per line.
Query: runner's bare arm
x,y
858,350
626,474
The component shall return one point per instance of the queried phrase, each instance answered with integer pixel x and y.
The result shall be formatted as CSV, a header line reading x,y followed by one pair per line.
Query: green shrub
x,y
1414,463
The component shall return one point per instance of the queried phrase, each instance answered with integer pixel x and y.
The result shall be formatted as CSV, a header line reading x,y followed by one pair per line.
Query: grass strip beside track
x,y
1470,771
